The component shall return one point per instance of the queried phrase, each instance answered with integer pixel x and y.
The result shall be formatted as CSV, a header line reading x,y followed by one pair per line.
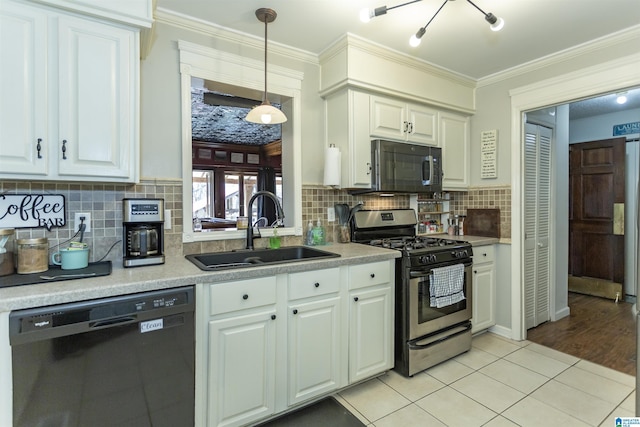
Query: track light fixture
x,y
366,15
266,113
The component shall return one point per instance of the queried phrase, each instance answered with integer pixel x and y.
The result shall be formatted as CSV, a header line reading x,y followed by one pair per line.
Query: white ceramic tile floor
x,y
499,383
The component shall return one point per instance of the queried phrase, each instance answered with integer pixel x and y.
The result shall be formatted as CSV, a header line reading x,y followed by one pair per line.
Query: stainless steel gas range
x,y
433,288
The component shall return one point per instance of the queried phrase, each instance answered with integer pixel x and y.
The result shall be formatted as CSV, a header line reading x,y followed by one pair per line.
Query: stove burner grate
x,y
411,242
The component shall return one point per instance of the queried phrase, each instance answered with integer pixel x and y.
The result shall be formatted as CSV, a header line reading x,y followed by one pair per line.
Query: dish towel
x,y
446,286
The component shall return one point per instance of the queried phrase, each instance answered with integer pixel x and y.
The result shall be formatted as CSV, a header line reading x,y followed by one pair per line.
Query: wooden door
x,y
596,221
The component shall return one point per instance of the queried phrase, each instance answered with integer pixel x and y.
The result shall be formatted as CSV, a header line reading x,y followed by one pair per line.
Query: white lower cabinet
x,y
267,344
484,288
241,356
370,332
314,348
314,323
243,348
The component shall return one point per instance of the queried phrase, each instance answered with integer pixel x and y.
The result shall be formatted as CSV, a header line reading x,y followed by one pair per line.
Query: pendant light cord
x,y
265,100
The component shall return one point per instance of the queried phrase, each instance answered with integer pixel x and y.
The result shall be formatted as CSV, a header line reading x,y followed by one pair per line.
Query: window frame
x,y
239,71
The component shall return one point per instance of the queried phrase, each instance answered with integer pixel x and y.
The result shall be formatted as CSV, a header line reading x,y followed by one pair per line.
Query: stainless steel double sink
x,y
257,257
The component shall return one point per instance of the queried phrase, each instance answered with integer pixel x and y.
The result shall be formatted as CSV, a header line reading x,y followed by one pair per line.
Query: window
x,y
234,194
203,194
239,76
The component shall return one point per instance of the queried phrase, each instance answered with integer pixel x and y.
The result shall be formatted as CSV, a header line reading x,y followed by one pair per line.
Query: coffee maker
x,y
143,227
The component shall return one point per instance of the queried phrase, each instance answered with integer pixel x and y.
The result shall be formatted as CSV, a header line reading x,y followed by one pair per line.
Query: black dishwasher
x,y
119,361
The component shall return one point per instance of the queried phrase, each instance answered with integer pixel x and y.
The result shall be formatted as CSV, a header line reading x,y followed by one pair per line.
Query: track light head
x,y
367,14
496,23
417,37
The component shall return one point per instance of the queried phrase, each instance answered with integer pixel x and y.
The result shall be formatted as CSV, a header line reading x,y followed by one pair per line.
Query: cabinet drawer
x,y
240,295
486,253
311,283
371,274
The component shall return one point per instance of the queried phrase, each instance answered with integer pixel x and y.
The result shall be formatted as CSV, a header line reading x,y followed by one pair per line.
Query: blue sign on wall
x,y
626,128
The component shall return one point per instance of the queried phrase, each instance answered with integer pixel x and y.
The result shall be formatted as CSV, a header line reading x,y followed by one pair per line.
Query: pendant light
x,y
266,113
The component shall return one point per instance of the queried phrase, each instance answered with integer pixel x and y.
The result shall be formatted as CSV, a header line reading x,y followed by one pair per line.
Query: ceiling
x,y
458,39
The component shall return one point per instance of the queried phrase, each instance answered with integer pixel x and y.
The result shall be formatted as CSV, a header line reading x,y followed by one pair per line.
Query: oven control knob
x,y
425,259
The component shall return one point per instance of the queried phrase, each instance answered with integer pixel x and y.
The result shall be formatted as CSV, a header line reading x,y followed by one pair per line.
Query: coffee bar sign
x,y
32,211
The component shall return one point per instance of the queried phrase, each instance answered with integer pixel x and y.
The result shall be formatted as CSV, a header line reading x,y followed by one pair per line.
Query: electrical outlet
x,y
77,222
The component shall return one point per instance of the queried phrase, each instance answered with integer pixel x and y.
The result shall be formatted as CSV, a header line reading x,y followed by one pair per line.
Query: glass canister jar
x,y
7,247
33,255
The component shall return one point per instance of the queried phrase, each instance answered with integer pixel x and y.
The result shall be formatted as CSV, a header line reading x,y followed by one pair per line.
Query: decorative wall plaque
x,y
32,211
489,154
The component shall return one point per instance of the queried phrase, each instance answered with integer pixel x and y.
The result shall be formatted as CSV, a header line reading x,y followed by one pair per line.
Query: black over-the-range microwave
x,y
399,167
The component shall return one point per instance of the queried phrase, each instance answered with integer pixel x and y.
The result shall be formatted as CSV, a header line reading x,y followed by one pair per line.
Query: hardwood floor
x,y
597,330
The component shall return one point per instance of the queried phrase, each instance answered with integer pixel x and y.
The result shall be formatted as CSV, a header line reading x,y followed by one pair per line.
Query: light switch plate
x,y
167,219
331,214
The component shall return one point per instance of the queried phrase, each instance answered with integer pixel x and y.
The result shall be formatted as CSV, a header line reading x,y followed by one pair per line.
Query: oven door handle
x,y
415,346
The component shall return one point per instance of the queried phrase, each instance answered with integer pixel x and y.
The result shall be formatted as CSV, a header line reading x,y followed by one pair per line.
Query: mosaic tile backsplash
x,y
317,199
104,203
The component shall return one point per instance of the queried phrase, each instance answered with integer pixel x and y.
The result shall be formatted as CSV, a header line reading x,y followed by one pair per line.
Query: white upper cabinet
x,y
132,12
347,115
397,120
454,140
69,97
96,113
23,91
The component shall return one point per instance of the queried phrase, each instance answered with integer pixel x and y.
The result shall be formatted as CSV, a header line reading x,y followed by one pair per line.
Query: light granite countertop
x,y
175,272
474,240
479,240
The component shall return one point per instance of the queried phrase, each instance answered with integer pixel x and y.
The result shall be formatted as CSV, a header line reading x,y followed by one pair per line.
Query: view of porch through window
x,y
236,192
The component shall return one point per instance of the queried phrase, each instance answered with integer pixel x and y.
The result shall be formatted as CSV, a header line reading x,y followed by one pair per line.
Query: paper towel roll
x,y
332,166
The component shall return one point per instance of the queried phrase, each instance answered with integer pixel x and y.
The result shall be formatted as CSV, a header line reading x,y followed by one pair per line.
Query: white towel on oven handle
x,y
446,286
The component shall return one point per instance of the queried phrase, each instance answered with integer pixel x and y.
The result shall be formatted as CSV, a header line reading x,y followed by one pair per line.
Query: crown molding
x,y
209,29
199,26
628,34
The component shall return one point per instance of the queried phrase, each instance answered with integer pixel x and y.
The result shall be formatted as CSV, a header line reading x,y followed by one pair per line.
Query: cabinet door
x,y
370,333
454,136
423,125
135,12
314,348
23,90
97,72
242,369
484,296
388,118
348,128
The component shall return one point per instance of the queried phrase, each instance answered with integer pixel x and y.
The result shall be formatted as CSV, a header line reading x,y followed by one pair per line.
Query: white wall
x,y
601,127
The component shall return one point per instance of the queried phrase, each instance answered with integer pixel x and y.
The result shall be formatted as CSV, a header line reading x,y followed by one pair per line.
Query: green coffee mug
x,y
71,259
